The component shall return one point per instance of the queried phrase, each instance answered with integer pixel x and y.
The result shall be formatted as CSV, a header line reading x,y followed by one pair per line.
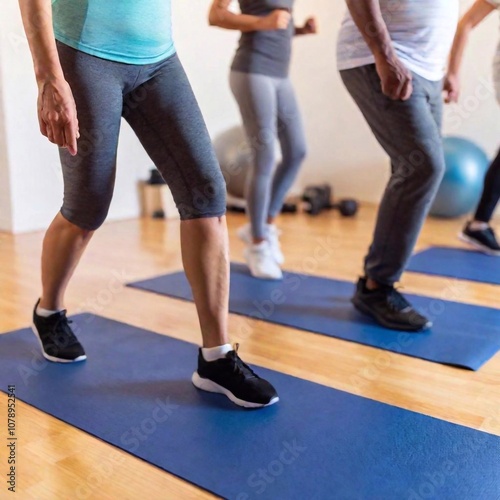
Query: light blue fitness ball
x,y
462,185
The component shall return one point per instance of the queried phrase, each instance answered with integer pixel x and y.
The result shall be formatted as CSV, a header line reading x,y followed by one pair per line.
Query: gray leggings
x,y
269,108
158,103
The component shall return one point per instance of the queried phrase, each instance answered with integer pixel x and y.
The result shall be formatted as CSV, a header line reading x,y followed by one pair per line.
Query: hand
x,y
396,78
278,19
310,27
57,114
451,88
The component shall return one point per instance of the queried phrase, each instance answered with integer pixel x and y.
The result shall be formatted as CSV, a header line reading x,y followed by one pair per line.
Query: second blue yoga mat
x,y
457,263
463,335
317,443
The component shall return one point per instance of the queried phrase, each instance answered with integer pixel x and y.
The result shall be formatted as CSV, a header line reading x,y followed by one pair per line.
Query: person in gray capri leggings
x,y
93,67
266,99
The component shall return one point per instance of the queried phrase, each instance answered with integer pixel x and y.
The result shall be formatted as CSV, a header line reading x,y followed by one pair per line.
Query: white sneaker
x,y
274,241
273,233
261,261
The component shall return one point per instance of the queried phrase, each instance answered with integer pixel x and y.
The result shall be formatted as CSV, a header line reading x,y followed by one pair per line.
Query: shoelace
x,y
239,367
63,331
396,300
490,232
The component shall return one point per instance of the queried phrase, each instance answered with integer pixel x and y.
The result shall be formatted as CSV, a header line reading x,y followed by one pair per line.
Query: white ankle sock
x,y
45,313
478,226
215,353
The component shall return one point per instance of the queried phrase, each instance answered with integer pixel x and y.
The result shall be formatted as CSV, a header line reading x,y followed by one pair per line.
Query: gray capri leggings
x,y
269,109
158,103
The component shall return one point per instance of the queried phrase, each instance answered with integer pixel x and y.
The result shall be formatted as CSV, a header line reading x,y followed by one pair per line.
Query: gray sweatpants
x,y
158,103
410,133
269,109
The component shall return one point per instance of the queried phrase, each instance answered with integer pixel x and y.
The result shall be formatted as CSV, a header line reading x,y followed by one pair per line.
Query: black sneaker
x,y
59,343
483,240
389,308
235,379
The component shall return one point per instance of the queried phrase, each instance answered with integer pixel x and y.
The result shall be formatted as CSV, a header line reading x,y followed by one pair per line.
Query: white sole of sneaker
x,y
474,244
208,385
48,357
264,277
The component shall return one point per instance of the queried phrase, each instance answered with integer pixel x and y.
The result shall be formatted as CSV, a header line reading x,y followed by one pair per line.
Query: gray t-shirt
x,y
265,52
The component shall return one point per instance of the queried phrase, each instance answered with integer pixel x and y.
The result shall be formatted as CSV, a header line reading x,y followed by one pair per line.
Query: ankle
x,y
45,312
214,353
258,241
50,305
477,225
371,285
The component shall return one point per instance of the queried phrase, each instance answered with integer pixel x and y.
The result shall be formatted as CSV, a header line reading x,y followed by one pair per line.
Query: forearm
x,y
368,18
37,21
223,18
458,48
475,15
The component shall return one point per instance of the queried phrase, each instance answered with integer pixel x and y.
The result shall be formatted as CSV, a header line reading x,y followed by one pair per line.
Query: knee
x,y
421,166
206,200
65,226
86,219
434,168
297,154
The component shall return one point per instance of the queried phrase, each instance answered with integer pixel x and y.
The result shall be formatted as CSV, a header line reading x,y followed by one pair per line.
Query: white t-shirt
x,y
422,32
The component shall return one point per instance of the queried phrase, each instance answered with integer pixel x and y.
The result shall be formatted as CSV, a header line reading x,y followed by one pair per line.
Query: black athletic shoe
x,y
59,343
235,379
483,240
389,308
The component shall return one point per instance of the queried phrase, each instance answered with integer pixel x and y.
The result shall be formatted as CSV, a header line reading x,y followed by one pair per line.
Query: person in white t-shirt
x,y
478,231
392,58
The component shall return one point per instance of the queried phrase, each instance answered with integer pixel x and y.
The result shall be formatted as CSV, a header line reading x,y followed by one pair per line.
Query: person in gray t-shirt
x,y
261,85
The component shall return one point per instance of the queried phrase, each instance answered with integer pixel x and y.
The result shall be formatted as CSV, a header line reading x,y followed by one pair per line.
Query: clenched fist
x,y
57,114
310,27
278,19
396,78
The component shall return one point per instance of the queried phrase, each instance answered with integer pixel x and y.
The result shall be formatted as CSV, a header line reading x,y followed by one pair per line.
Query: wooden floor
x,y
59,461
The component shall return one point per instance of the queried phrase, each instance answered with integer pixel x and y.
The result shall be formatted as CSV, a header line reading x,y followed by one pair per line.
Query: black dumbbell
x,y
289,208
158,214
347,207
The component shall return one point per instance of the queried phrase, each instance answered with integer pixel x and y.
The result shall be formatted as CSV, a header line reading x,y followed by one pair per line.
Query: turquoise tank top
x,y
127,31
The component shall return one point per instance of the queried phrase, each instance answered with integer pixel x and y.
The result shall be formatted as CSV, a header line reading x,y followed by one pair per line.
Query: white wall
x,y
5,200
341,148
35,176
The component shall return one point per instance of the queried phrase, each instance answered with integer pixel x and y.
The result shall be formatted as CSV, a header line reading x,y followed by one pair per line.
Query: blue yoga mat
x,y
134,392
463,335
457,263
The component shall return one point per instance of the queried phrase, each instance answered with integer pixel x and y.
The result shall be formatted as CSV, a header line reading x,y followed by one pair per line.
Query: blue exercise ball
x,y
462,185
